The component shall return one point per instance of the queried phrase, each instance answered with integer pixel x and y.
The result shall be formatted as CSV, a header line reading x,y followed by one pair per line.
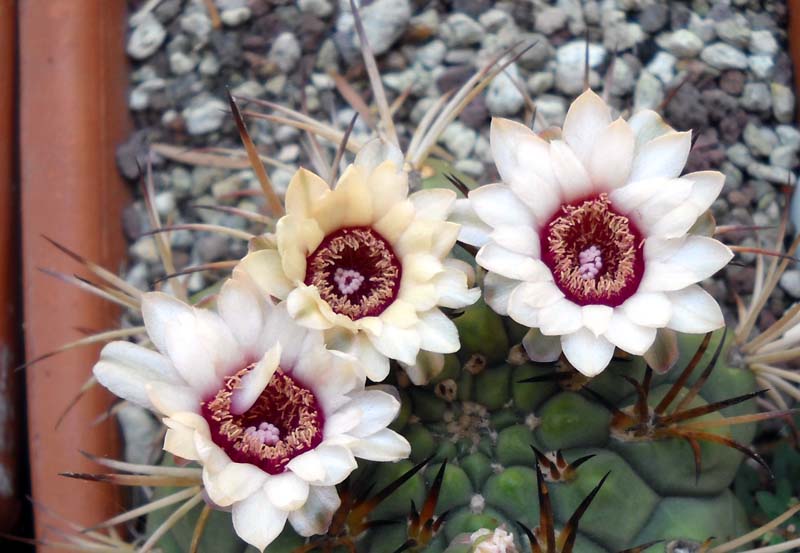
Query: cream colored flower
x,y
587,238
274,418
368,264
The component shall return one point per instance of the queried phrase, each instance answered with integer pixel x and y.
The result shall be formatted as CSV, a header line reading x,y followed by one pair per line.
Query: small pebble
x,y
146,38
723,56
285,51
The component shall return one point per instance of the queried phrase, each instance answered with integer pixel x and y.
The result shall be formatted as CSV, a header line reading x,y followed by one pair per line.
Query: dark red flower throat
x,y
596,254
356,272
285,421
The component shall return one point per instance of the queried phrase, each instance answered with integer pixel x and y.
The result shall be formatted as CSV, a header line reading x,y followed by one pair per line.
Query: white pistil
x,y
265,434
348,280
591,261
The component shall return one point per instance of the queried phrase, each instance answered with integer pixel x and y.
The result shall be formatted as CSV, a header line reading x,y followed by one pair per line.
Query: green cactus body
x,y
484,424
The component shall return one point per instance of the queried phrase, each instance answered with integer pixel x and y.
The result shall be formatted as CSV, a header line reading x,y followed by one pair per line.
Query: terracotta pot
x,y
73,114
794,50
10,493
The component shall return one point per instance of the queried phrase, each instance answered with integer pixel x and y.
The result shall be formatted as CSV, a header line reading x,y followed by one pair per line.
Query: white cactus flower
x,y
498,540
587,238
368,264
274,419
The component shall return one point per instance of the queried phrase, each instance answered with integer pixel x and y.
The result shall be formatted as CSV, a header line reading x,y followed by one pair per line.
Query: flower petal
x,y
519,239
527,301
647,125
400,314
374,363
338,463
160,312
694,311
427,366
378,151
628,336
388,185
172,398
659,206
203,349
612,156
473,230
438,332
497,291
420,235
392,225
651,309
560,317
179,440
569,171
347,204
304,305
213,459
542,197
421,296
265,269
243,309
315,516
677,263
420,267
541,348
596,317
255,381
235,482
588,353
286,491
587,118
378,409
125,369
343,420
664,352
257,521
398,343
676,223
497,205
663,157
305,190
297,238
498,259
523,161
452,285
384,446
706,187
308,466
433,203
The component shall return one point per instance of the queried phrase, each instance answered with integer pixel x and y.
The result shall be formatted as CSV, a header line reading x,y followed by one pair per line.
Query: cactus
x,y
482,418
584,449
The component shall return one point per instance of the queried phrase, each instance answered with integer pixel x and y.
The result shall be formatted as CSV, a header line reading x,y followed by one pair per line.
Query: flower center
x,y
595,254
285,421
356,272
